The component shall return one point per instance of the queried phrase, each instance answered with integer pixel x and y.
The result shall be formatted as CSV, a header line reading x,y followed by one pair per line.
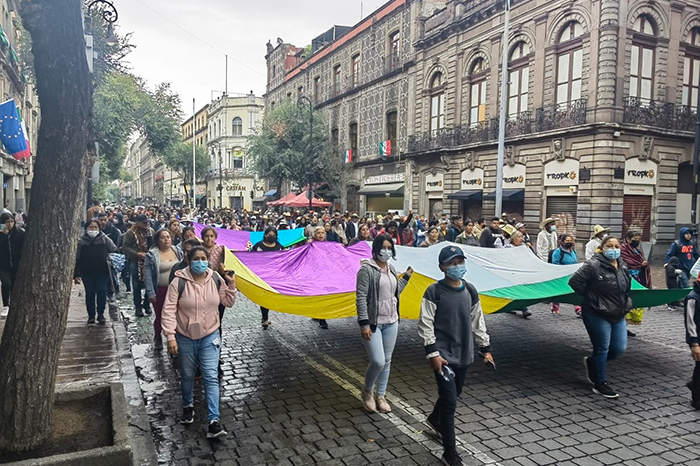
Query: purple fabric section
x,y
314,269
234,240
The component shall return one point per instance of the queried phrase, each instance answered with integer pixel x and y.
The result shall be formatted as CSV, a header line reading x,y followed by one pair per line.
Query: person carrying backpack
x,y
687,253
190,322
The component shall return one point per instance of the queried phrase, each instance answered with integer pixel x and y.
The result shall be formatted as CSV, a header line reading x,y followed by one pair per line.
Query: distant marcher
x,y
91,269
138,240
491,235
268,243
565,254
547,240
11,245
362,235
605,283
686,252
433,237
467,236
598,234
632,254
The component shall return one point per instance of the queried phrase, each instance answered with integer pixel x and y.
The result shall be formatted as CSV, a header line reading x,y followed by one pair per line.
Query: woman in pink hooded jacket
x,y
190,323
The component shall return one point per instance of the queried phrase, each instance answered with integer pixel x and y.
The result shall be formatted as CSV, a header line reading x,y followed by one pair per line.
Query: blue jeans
x,y
205,353
95,291
379,350
137,287
684,279
609,341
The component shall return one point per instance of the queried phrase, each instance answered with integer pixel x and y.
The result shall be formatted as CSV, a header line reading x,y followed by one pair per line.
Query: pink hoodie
x,y
196,315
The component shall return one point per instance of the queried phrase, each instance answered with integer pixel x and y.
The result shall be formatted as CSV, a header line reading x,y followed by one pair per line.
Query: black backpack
x,y
181,284
549,257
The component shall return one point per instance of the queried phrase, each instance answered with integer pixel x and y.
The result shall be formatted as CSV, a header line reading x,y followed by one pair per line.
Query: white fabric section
x,y
690,319
487,268
426,322
479,326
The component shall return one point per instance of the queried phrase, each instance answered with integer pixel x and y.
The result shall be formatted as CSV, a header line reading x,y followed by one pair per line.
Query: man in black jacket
x,y
491,234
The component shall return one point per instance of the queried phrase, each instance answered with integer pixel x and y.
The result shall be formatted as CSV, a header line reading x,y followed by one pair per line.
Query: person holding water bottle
x,y
450,319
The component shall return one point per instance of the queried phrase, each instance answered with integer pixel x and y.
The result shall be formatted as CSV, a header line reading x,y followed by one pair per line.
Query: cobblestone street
x,y
291,396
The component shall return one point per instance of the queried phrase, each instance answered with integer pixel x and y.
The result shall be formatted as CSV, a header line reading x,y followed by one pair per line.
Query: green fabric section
x,y
558,290
294,241
3,38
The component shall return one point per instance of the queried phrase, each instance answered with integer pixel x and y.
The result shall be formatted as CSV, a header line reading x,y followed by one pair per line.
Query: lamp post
x,y
302,102
696,170
109,14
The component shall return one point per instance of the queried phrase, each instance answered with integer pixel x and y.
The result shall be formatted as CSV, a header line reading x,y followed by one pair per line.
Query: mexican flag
x,y
348,156
385,148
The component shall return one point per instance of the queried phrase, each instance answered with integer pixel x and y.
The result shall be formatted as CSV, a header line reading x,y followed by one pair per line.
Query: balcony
x,y
544,119
665,115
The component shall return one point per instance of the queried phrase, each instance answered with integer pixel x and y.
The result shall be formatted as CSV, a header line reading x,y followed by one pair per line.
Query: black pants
x,y
222,308
695,385
443,414
7,277
139,288
265,313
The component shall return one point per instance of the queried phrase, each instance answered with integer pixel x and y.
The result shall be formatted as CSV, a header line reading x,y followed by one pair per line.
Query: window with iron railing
x,y
642,58
437,102
519,77
691,69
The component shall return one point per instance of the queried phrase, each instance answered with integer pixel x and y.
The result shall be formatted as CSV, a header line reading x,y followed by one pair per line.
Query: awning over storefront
x,y
508,195
260,199
270,193
392,189
467,195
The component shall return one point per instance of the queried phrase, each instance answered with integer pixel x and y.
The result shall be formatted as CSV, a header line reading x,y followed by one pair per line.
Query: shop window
x,y
437,102
691,69
477,92
642,59
569,64
519,78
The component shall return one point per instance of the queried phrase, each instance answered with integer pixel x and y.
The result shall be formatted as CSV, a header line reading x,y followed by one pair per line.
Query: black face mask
x,y
271,239
634,243
568,245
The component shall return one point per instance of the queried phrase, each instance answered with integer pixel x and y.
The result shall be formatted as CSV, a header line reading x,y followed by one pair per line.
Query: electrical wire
x,y
199,38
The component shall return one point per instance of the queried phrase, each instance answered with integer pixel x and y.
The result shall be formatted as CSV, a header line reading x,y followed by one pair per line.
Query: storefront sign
x,y
639,190
561,173
387,178
514,177
472,179
434,183
642,172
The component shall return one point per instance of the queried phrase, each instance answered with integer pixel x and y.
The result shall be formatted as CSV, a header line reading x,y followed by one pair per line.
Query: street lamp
x,y
109,14
301,104
221,180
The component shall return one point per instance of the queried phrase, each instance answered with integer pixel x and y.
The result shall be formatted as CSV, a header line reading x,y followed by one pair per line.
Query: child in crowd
x,y
692,323
450,319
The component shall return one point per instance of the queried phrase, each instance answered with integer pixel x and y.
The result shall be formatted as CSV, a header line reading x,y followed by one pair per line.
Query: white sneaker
x,y
368,401
4,312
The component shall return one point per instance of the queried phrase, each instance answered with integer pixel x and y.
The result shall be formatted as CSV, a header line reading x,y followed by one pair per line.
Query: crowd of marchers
x,y
180,277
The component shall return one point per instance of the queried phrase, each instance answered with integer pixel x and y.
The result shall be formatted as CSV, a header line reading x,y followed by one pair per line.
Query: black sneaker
x,y
101,320
138,313
435,426
148,311
451,458
605,390
323,324
526,313
590,376
215,430
157,342
91,320
187,415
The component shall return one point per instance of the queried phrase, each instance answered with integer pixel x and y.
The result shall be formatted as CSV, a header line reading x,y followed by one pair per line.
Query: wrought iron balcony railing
x,y
391,63
658,114
544,119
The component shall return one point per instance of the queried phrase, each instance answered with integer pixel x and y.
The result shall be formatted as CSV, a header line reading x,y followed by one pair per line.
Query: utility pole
x,y
503,112
221,184
194,159
696,169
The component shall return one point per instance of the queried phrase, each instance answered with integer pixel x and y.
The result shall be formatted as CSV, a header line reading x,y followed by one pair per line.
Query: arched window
x,y
237,127
642,58
691,68
519,79
569,63
477,92
437,102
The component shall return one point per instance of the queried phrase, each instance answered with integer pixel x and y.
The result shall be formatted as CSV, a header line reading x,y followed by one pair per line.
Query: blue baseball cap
x,y
450,252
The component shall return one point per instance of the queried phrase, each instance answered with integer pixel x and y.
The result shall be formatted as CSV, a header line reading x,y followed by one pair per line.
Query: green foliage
x,y
125,175
179,158
279,147
159,118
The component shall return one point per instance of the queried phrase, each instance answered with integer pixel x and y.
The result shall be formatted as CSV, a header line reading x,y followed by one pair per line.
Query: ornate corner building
x,y
601,108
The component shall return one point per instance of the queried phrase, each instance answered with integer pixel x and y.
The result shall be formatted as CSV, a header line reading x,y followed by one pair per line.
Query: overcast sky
x,y
240,28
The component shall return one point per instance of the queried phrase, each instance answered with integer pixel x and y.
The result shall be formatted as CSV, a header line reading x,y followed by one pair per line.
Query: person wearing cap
x,y
492,235
353,227
450,320
378,228
138,240
520,226
598,233
547,238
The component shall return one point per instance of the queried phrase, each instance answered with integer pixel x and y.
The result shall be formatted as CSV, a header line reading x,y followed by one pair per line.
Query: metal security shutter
x,y
636,215
564,210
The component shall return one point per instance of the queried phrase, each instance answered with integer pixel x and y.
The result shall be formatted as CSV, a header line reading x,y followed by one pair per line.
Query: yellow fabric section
x,y
333,306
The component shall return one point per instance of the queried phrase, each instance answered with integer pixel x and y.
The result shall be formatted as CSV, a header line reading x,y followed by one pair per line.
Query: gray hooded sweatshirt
x,y
367,296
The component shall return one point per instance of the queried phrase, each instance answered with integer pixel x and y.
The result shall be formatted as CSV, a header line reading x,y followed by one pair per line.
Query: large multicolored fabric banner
x,y
239,240
318,280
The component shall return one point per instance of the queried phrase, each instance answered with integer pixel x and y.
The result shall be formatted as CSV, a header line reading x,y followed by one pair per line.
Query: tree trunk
x,y
34,329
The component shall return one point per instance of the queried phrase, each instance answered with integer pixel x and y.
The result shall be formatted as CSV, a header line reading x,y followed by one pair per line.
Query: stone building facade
x,y
601,107
230,182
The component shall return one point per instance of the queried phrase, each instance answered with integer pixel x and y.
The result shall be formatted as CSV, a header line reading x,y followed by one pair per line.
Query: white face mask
x,y
384,255
92,233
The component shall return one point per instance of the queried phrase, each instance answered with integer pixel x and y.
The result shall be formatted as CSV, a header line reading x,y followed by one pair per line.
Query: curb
x,y
143,448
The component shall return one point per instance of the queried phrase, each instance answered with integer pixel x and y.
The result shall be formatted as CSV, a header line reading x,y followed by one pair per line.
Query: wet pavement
x,y
291,396
89,353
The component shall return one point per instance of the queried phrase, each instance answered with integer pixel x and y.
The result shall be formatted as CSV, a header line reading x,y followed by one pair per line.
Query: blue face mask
x,y
199,267
553,228
456,272
612,254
